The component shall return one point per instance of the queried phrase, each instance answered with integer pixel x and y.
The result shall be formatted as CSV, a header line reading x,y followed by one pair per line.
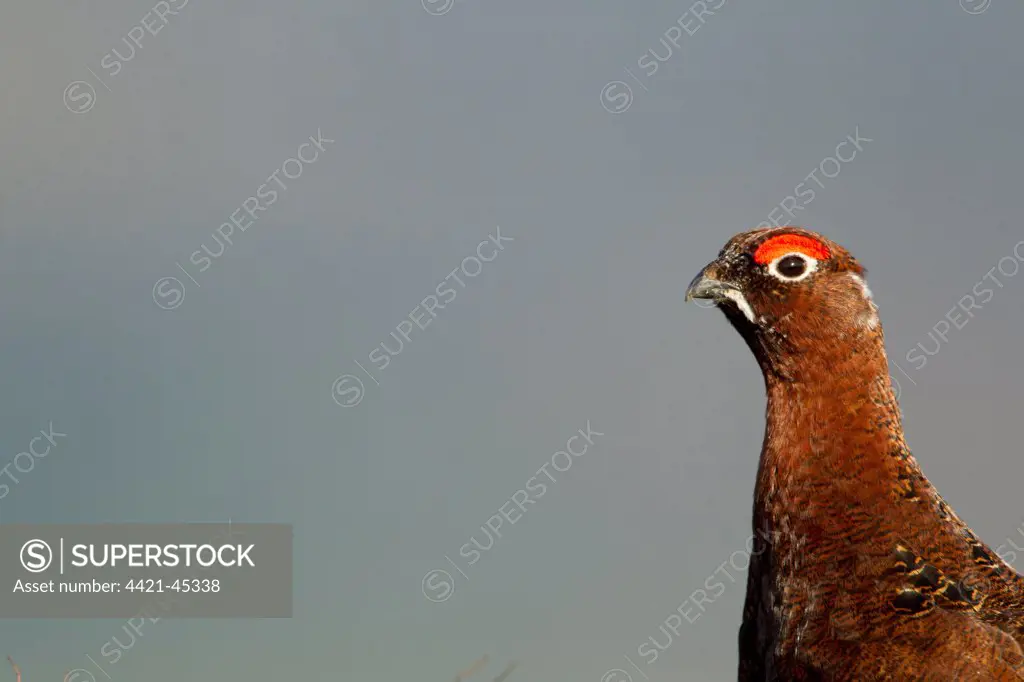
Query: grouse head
x,y
793,295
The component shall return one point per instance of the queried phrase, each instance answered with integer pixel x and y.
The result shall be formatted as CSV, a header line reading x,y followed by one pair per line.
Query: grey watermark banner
x,y
188,570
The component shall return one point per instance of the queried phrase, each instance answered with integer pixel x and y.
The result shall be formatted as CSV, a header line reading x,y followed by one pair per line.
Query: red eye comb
x,y
788,243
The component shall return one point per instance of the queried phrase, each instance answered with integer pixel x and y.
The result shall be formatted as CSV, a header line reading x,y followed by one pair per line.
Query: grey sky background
x,y
446,127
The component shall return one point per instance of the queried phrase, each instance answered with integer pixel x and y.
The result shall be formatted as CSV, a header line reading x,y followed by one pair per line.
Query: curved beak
x,y
707,285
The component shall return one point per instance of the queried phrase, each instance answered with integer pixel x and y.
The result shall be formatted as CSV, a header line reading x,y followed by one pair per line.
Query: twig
x,y
17,670
506,672
473,668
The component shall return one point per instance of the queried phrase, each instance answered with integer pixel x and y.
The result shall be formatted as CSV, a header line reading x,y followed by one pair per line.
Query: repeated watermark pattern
x,y
24,462
113,650
80,95
438,585
169,292
348,390
975,6
830,167
617,95
803,194
695,605
959,316
437,7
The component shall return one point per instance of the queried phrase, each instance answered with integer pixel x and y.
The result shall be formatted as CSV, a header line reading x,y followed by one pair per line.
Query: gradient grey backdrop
x,y
445,127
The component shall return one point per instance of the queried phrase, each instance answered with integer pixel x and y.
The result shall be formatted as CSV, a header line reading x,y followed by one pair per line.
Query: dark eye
x,y
792,266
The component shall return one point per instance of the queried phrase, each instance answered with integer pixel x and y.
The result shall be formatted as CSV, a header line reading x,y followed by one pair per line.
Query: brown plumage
x,y
862,571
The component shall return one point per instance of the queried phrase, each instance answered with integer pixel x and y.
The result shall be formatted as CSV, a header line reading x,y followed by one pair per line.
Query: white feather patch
x,y
741,303
863,285
869,320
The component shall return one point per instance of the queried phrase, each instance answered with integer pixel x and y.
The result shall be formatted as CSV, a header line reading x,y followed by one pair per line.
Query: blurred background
x,y
615,148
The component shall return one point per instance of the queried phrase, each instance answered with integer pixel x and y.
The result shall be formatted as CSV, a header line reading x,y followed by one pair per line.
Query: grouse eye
x,y
792,266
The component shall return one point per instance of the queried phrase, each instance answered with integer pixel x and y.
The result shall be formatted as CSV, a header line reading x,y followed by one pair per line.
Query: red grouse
x,y
860,570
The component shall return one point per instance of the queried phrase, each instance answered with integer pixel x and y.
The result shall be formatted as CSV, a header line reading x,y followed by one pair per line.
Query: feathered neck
x,y
834,442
